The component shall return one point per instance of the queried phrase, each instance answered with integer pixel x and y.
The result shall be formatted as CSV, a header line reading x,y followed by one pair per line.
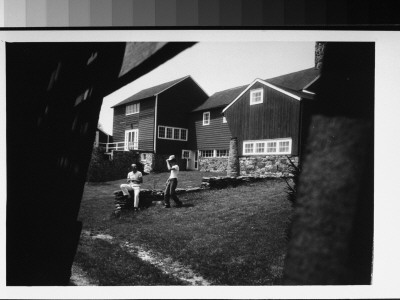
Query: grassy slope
x,y
232,237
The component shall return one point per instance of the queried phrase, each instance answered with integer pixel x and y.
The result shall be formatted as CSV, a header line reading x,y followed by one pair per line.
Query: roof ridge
x,y
229,89
168,84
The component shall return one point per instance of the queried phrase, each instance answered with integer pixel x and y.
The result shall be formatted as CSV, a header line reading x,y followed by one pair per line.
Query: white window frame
x,y
183,154
224,120
255,91
277,149
216,153
172,136
133,111
205,120
201,152
135,141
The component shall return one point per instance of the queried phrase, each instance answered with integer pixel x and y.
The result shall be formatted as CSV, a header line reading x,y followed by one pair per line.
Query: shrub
x,y
291,191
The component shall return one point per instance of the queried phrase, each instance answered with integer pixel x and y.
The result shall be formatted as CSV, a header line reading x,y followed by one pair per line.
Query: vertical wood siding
x,y
208,137
144,121
174,107
277,117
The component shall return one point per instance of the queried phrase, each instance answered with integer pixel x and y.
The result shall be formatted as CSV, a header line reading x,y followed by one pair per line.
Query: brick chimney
x,y
233,169
319,54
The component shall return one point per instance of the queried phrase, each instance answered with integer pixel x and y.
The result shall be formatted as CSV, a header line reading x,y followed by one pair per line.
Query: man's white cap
x,y
171,157
133,165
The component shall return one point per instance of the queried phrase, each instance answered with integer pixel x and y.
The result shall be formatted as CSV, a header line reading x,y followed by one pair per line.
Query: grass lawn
x,y
234,236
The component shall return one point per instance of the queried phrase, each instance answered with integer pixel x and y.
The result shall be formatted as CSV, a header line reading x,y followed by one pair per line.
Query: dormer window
x,y
132,109
256,96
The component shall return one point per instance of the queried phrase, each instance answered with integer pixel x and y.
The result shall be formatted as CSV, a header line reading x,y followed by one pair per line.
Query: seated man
x,y
134,180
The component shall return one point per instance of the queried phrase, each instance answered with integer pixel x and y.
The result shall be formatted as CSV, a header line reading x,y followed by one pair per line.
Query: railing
x,y
119,146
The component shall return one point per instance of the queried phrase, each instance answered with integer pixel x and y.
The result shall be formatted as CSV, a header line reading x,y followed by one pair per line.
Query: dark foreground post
x,y
332,229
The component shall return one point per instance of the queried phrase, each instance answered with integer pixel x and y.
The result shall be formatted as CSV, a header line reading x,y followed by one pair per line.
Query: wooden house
x,y
266,117
209,141
155,121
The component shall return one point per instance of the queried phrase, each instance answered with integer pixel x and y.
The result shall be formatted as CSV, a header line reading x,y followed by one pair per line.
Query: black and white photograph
x,y
197,159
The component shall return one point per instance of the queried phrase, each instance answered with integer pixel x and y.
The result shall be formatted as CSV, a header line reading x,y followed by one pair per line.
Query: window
x,y
260,147
176,134
183,134
161,132
132,109
172,133
222,153
206,118
284,146
267,147
169,133
256,96
207,153
214,153
224,120
271,147
248,148
185,154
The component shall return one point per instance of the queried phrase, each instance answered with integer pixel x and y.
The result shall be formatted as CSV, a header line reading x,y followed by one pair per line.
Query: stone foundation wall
x,y
272,165
213,164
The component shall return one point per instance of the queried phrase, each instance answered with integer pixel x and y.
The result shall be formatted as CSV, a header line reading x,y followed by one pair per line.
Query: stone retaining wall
x,y
272,165
213,164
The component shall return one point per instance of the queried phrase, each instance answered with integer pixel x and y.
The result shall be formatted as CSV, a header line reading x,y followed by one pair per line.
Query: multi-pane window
x,y
248,148
222,153
183,134
268,147
172,133
284,146
271,147
185,154
176,134
169,133
161,132
207,153
260,147
256,96
214,153
206,118
132,109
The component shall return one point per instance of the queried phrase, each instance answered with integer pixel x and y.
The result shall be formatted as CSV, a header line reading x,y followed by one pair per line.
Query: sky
x,y
217,66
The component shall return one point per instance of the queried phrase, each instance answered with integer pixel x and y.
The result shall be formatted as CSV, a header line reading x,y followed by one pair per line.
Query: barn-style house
x,y
155,120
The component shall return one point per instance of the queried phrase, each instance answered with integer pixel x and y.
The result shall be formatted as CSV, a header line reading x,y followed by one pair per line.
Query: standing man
x,y
171,183
134,180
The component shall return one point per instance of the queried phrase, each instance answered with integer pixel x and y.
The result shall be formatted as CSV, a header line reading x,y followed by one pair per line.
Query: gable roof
x,y
297,80
292,83
221,98
152,91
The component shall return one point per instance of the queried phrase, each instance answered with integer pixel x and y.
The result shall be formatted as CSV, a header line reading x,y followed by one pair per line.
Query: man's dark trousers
x,y
170,192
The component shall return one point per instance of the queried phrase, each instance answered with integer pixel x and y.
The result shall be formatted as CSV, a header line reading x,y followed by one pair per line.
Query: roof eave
x,y
265,83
